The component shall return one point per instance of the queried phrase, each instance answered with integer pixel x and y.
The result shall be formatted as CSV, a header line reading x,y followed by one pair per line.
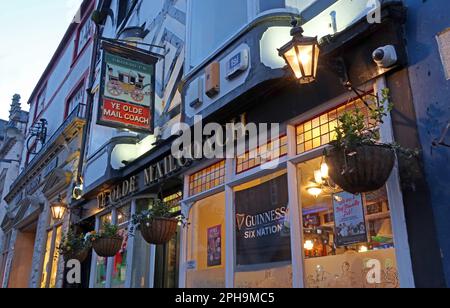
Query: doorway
x,y
23,257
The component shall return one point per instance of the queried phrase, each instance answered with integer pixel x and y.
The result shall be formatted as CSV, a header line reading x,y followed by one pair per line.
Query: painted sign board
x,y
127,89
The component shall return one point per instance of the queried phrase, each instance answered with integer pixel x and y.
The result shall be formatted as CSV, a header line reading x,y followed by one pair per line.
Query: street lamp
x,y
301,54
58,209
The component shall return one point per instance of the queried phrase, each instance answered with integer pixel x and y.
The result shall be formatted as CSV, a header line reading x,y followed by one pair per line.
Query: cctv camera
x,y
385,57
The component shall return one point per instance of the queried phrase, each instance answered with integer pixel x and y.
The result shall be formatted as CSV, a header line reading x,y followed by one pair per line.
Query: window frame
x,y
77,51
4,256
113,211
53,229
79,87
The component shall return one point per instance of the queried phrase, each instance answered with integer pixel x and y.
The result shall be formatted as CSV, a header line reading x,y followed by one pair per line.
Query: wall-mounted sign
x,y
118,192
261,233
349,219
138,183
127,89
238,64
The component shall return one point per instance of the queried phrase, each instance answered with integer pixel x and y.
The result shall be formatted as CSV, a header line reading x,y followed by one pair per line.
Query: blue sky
x,y
30,33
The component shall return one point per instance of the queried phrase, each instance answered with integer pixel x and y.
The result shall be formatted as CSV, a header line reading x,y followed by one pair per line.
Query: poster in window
x,y
349,220
215,246
262,234
127,89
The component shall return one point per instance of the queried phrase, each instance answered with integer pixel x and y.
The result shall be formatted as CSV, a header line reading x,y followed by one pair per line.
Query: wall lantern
x,y
301,54
59,209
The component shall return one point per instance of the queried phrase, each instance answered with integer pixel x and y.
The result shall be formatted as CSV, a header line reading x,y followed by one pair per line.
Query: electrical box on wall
x,y
212,73
197,99
238,64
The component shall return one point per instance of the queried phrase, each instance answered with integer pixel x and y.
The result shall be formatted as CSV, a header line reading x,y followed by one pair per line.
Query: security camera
x,y
385,57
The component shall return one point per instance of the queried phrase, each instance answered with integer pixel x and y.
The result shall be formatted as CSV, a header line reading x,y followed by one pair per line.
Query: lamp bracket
x,y
126,43
338,66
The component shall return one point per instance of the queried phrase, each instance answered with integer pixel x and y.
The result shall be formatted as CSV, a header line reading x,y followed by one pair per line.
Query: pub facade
x,y
267,216
263,218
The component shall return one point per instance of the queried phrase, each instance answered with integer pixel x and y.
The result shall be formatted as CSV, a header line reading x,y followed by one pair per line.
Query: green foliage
x,y
158,209
353,130
72,243
108,231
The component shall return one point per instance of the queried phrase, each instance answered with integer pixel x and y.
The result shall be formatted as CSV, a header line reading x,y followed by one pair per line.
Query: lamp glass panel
x,y
305,56
316,59
292,59
58,211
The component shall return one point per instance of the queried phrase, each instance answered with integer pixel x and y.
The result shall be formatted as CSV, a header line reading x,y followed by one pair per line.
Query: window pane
x,y
55,258
141,263
213,23
342,232
140,274
120,263
206,243
102,265
47,261
263,243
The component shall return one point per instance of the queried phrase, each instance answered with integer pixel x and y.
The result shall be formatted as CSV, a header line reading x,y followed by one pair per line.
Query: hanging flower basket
x,y
361,169
107,247
80,256
159,231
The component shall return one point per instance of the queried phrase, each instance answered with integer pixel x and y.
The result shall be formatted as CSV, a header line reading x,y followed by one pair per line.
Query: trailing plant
x,y
71,243
359,161
353,130
158,209
108,231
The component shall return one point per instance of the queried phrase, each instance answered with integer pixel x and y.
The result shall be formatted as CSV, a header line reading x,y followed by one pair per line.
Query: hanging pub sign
x,y
127,89
349,219
261,215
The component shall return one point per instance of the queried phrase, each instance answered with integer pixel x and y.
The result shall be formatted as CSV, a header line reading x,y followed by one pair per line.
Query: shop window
x,y
102,263
206,243
173,201
263,242
164,259
116,265
51,258
342,232
120,259
207,178
140,272
263,154
320,131
166,264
